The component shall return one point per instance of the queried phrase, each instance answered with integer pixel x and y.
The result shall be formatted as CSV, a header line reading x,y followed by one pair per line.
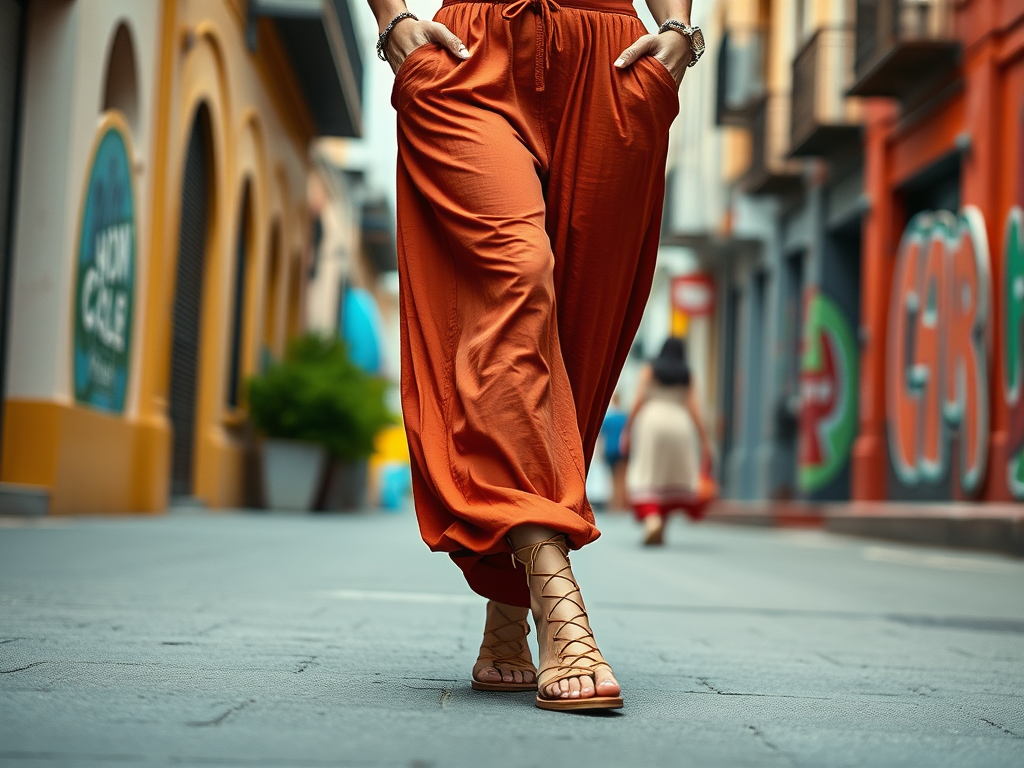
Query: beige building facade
x,y
161,237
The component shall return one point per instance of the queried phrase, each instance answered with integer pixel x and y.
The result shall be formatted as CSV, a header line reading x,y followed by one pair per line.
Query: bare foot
x,y
504,654
654,531
566,641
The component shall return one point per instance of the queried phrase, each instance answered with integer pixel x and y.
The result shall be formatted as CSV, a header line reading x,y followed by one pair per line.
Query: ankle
x,y
523,536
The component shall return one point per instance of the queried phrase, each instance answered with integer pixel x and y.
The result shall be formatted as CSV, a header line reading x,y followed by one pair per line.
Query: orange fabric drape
x,y
530,188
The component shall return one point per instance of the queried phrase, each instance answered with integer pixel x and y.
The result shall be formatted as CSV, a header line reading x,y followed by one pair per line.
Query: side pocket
x,y
409,66
661,73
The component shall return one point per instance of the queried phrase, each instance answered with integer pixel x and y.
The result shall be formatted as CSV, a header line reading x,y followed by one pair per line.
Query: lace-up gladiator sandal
x,y
504,654
568,628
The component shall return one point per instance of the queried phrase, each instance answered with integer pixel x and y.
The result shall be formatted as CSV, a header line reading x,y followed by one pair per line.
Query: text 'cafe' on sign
x,y
105,284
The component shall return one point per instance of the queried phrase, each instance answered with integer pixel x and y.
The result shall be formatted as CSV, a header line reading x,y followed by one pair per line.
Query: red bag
x,y
707,492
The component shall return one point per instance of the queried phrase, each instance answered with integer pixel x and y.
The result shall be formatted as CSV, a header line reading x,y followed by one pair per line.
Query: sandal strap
x,y
510,653
577,656
555,541
550,675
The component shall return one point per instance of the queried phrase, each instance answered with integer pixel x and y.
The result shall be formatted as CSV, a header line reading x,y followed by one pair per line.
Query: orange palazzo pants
x,y
530,187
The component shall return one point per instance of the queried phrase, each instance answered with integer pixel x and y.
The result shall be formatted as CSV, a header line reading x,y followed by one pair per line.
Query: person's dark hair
x,y
670,366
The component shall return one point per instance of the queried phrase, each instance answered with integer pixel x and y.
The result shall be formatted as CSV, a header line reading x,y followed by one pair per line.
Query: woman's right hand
x,y
409,34
624,443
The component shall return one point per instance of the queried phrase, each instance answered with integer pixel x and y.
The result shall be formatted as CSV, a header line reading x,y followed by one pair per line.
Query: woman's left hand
x,y
670,48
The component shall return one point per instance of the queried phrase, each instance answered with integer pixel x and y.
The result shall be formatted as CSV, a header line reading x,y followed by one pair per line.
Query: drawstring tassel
x,y
542,22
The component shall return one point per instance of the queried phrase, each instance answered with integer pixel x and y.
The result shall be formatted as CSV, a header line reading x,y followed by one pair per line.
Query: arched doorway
x,y
243,241
268,348
188,296
121,89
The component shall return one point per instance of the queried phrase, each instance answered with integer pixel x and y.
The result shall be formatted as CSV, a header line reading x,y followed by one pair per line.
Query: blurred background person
x,y
666,443
611,435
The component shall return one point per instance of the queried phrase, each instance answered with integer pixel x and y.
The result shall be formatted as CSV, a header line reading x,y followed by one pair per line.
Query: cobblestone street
x,y
275,640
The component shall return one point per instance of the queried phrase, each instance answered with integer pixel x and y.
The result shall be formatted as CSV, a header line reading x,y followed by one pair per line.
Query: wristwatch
x,y
693,34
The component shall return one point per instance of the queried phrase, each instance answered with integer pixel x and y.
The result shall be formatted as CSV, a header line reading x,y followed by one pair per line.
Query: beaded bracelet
x,y
382,40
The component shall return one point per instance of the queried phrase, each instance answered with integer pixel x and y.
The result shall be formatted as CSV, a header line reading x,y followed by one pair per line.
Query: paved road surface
x,y
273,640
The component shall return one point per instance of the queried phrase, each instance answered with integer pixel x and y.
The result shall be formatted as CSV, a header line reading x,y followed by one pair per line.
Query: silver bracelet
x,y
382,40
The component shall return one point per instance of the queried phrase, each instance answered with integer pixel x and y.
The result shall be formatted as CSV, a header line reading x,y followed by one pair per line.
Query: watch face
x,y
698,40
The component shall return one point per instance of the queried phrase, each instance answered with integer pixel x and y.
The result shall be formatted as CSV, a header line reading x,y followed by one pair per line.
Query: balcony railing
x,y
771,171
902,45
740,79
824,120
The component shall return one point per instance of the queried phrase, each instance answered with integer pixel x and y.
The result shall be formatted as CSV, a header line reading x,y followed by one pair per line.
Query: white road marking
x,y
33,522
403,597
813,539
944,562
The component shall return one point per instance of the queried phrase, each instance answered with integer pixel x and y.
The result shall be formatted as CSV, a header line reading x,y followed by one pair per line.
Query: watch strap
x,y
692,33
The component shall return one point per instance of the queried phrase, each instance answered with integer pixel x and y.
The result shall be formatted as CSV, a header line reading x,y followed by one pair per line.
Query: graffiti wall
x,y
937,367
828,395
1013,351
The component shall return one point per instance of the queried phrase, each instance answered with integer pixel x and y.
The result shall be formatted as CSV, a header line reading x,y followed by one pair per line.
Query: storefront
x,y
943,271
161,238
12,14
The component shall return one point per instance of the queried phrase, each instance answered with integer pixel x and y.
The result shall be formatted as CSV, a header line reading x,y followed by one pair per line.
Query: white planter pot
x,y
346,485
292,471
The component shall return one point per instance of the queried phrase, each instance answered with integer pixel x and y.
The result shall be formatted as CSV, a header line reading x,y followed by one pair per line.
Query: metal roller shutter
x,y
10,72
188,295
10,25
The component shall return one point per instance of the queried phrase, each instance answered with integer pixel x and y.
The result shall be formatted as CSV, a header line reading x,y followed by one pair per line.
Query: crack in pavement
x,y
22,669
304,665
1002,728
223,716
704,682
211,628
764,739
718,692
446,696
765,695
759,735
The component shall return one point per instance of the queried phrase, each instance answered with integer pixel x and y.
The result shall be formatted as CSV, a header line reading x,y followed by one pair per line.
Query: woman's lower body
x,y
664,467
617,470
530,188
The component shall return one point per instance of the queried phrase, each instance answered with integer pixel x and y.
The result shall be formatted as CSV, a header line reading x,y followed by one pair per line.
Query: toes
x,y
586,687
506,675
517,676
529,677
488,675
582,687
607,685
574,687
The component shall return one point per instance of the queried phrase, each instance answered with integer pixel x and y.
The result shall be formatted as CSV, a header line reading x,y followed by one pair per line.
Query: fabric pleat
x,y
529,207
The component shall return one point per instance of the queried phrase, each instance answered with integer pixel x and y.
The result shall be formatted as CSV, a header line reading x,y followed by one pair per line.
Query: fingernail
x,y
619,62
464,52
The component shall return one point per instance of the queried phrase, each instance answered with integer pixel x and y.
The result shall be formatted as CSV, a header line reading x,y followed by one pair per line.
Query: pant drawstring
x,y
542,23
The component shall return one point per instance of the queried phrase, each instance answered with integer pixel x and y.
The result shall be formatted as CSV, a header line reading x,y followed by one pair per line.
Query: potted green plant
x,y
312,406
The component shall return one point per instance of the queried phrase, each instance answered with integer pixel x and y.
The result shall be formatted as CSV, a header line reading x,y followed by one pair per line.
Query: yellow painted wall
x,y
94,462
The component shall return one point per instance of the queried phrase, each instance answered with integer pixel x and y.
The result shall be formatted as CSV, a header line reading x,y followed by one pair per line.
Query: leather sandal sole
x,y
575,705
479,685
